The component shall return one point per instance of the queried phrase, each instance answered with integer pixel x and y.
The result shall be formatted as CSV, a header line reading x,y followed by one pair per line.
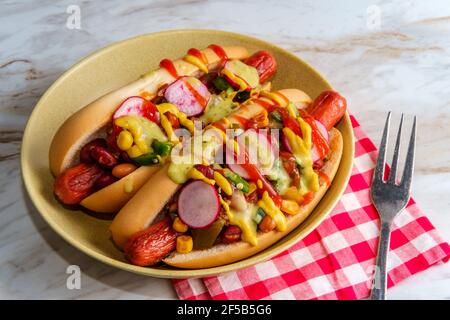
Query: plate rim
x,y
174,273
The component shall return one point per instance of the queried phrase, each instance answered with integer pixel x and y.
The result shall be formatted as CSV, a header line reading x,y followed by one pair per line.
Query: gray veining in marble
x,y
401,63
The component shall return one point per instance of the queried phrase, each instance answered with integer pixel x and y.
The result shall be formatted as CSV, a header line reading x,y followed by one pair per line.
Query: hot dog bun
x,y
222,254
140,211
144,207
84,125
114,196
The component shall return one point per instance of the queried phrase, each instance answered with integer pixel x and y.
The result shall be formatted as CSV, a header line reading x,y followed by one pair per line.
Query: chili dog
x,y
101,191
194,209
138,213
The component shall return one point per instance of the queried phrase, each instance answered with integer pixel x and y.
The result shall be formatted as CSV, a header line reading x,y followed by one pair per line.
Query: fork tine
x,y
379,169
409,163
393,172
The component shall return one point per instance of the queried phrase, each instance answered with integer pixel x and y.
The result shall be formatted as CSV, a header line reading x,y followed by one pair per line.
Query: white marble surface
x,y
401,64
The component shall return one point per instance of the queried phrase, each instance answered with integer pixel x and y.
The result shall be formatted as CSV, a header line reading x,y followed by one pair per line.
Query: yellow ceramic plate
x,y
115,66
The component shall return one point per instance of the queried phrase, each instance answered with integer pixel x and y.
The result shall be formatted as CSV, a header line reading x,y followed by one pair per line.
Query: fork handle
x,y
379,285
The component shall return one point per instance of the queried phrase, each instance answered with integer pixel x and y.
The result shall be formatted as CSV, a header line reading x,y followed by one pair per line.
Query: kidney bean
x,y
105,180
85,152
76,183
103,157
207,171
231,234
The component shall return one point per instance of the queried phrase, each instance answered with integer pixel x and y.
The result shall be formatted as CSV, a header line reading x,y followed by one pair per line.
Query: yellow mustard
x,y
242,85
244,220
223,183
301,148
266,203
196,62
275,97
197,175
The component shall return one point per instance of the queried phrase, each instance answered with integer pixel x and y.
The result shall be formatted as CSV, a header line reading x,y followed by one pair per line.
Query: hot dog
x,y
145,206
201,211
110,192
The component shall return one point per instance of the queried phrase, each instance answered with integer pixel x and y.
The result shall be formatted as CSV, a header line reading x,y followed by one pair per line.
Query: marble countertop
x,y
382,55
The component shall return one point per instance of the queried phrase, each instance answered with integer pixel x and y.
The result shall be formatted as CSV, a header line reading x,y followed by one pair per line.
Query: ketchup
x,y
269,107
168,65
317,139
325,178
198,54
218,50
200,99
283,97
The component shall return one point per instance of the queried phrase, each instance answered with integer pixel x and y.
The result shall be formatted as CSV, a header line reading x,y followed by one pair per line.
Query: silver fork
x,y
390,197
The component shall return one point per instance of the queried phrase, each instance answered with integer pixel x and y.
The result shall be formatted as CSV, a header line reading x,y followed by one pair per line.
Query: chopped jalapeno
x,y
259,215
162,148
221,84
275,115
236,180
242,96
148,159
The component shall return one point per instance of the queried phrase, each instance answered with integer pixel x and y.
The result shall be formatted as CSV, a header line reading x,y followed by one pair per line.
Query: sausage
x,y
265,64
149,246
76,183
328,108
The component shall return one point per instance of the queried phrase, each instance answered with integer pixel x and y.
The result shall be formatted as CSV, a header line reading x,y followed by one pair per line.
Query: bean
x,y
123,169
267,224
103,157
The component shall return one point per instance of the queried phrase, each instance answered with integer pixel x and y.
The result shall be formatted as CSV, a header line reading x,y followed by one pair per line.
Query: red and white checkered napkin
x,y
335,261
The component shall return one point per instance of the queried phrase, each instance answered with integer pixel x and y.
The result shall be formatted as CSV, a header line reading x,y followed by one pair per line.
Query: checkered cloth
x,y
336,260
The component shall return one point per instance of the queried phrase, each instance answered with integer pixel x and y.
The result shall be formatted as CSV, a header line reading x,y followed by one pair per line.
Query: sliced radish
x,y
261,149
323,130
198,204
189,94
137,106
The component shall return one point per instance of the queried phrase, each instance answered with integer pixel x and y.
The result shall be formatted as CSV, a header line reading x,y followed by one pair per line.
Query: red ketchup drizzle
x,y
269,107
218,50
198,54
200,99
317,139
168,65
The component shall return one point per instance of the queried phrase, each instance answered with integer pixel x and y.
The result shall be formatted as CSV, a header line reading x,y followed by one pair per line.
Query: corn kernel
x,y
179,226
251,189
184,244
223,183
290,207
134,152
124,140
259,184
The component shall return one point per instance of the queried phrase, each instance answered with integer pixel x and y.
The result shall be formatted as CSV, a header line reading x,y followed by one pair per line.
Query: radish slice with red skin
x,y
267,150
314,154
324,132
181,94
198,204
137,106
